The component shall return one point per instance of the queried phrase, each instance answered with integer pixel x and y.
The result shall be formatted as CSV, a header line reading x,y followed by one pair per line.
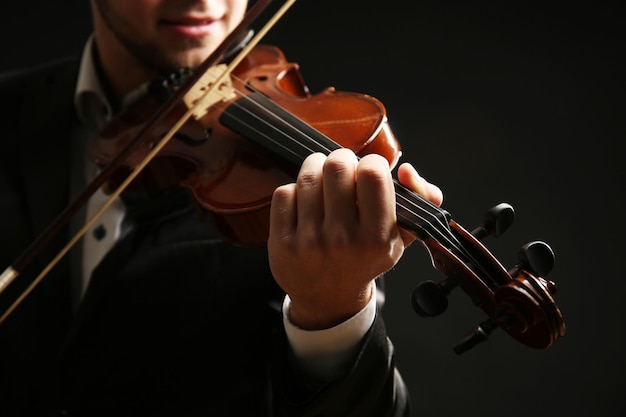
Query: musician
x,y
153,313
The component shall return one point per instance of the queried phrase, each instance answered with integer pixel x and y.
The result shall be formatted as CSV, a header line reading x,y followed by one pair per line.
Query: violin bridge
x,y
214,86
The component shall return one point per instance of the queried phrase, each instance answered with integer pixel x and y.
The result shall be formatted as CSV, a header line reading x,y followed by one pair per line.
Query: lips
x,y
189,26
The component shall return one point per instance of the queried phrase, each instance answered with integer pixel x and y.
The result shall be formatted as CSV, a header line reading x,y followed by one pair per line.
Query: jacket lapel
x,y
44,134
45,142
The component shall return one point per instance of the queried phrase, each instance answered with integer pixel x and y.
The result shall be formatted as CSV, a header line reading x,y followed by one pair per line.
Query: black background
x,y
493,101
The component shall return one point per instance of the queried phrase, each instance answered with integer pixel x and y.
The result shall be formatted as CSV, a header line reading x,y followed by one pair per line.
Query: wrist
x,y
329,343
319,314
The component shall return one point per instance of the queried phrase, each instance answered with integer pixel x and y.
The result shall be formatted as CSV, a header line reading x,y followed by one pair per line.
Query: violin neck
x,y
417,214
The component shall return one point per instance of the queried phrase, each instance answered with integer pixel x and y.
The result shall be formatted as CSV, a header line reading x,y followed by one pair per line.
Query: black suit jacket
x,y
175,322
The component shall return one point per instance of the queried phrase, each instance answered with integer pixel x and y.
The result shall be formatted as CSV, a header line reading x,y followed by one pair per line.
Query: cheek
x,y
139,14
237,9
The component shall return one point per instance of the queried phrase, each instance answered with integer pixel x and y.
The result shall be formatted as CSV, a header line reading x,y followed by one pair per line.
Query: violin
x,y
231,134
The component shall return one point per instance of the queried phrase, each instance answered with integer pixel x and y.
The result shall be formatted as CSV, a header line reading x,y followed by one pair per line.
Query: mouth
x,y
191,27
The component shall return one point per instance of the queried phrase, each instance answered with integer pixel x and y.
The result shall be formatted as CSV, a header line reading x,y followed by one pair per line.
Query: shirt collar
x,y
92,106
90,99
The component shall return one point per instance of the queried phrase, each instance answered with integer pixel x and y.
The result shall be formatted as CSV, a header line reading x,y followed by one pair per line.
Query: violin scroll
x,y
519,301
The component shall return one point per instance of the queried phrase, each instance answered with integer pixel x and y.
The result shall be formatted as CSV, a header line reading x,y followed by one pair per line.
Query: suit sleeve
x,y
372,386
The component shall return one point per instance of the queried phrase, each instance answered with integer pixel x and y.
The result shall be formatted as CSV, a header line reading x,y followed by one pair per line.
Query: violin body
x,y
228,175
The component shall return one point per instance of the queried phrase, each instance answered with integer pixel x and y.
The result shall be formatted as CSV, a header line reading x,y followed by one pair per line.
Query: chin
x,y
192,60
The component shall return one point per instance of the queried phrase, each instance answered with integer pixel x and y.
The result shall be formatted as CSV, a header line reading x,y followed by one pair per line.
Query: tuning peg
x,y
430,298
496,221
477,335
535,257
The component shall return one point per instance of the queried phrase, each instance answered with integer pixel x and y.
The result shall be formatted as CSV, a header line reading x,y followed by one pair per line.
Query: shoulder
x,y
59,71
52,67
21,86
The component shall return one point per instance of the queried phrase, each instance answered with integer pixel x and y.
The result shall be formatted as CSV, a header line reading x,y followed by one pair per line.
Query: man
x,y
154,313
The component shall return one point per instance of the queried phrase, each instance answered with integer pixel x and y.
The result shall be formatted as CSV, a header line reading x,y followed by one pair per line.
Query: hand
x,y
334,231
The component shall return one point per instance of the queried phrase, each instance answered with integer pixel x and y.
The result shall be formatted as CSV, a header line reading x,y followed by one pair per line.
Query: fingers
x,y
409,177
309,194
297,210
342,197
283,218
376,197
340,194
341,200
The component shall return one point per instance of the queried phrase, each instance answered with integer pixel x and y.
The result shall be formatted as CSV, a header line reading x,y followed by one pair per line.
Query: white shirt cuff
x,y
324,353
